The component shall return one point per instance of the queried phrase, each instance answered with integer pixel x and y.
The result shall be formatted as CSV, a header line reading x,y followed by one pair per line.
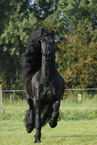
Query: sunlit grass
x,y
75,126
66,133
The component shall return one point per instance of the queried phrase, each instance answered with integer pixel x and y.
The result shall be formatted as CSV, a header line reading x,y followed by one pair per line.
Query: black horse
x,y
44,84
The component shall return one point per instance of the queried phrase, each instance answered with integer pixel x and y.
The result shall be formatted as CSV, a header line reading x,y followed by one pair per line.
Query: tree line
x,y
75,25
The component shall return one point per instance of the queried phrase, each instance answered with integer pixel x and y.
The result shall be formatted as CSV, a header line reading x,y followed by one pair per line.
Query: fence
x,y
79,97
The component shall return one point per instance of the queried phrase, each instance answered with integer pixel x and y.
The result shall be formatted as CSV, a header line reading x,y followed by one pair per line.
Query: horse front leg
x,y
37,120
55,114
29,118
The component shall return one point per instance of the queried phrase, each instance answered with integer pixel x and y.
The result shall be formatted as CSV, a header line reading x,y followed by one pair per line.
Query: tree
x,y
43,8
76,27
75,23
13,39
77,58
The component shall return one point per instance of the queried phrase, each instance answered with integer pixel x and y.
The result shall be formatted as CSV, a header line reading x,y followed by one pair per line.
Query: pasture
x,y
75,126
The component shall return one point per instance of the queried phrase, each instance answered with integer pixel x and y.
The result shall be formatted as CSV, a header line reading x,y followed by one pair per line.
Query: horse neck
x,y
48,69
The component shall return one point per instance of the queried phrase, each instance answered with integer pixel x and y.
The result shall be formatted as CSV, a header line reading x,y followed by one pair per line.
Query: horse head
x,y
47,45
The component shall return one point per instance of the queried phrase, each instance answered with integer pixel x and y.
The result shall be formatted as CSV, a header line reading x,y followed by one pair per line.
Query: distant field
x,y
75,126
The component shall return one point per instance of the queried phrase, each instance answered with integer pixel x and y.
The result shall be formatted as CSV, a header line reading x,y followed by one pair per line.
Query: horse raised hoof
x,y
29,122
53,120
53,123
29,128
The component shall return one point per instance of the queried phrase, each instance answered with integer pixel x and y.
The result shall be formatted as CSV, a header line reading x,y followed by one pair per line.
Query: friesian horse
x,y
44,85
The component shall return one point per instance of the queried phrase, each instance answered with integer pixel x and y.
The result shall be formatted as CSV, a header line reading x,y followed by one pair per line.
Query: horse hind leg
x,y
55,114
30,117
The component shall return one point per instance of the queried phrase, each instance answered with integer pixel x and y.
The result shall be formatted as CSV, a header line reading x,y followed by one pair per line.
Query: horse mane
x,y
31,58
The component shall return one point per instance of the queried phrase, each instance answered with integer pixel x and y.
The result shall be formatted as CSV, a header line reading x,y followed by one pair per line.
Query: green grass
x,y
88,113
75,126
66,133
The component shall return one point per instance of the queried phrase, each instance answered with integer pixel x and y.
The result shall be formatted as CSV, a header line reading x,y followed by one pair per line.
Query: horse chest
x,y
45,91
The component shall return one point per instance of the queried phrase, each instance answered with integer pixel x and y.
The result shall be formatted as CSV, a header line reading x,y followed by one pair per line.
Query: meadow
x,y
77,124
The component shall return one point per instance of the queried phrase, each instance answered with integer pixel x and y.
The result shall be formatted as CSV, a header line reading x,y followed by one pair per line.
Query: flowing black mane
x,y
31,58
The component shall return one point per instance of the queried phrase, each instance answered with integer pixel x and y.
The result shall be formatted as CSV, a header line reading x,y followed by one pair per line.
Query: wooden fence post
x,y
79,97
1,106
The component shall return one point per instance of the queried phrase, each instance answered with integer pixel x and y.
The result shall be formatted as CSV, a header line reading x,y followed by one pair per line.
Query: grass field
x,y
75,126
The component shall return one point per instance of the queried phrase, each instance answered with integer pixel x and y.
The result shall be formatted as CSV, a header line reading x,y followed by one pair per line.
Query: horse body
x,y
44,91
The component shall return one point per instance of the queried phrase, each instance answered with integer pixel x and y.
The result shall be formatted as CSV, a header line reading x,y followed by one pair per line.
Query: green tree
x,y
77,58
43,8
14,37
75,23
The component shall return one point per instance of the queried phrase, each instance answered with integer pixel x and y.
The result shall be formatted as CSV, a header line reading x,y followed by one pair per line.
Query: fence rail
x,y
13,91
88,89
84,89
5,91
62,108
